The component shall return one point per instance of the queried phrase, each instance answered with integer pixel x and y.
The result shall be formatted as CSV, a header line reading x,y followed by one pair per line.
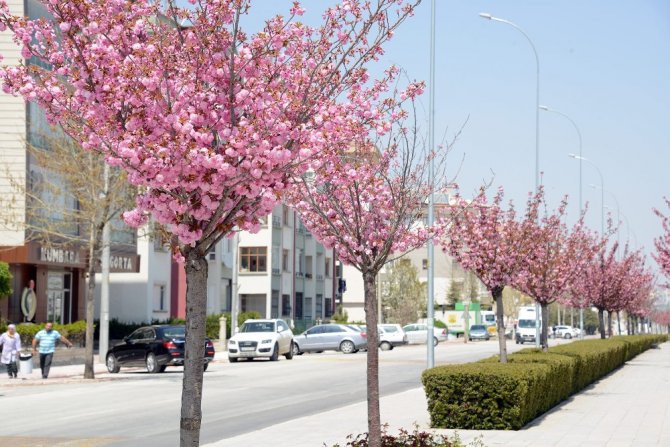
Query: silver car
x,y
324,337
418,333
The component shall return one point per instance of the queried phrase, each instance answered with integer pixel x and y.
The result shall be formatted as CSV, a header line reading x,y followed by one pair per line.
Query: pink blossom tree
x,y
209,122
662,243
553,256
485,239
367,201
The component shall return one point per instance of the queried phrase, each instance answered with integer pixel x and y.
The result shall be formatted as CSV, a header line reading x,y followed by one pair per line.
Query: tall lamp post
x,y
602,190
581,206
618,209
488,16
431,199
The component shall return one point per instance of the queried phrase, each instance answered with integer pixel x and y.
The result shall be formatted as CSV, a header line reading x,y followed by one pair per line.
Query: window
x,y
160,301
286,305
253,259
319,306
275,304
284,213
329,308
298,305
301,261
424,264
285,261
308,308
316,330
308,266
327,268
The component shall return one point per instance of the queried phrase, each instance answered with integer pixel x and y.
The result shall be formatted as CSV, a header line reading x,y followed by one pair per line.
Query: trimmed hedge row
x,y
75,332
488,395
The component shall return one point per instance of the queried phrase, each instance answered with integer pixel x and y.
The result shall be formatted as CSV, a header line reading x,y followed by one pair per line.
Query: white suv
x,y
261,338
390,336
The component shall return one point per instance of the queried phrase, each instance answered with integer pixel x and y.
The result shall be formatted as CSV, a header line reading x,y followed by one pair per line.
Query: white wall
x,y
12,147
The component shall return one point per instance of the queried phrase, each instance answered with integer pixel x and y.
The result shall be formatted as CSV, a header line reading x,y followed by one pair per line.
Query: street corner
x,y
30,441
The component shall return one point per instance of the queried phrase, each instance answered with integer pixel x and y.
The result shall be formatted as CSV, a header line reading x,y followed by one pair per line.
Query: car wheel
x,y
296,349
275,353
567,336
112,364
232,359
435,341
385,346
289,354
347,347
206,366
152,364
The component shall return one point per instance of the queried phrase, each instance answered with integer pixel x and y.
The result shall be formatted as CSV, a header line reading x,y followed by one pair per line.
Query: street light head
x,y
572,155
485,15
594,186
545,108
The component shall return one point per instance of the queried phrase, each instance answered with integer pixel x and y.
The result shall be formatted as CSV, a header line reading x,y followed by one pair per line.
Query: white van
x,y
526,325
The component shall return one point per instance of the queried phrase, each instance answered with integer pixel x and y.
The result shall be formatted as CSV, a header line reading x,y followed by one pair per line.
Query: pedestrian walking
x,y
47,339
11,346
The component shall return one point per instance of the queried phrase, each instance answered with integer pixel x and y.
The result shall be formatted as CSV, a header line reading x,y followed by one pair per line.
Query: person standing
x,y
11,346
47,339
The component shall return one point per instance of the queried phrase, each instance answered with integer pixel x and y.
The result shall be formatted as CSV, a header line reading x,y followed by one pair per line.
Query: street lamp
x,y
488,16
602,190
579,134
581,206
431,197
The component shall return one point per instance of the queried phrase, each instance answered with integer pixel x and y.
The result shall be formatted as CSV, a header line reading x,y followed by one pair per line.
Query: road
x,y
134,408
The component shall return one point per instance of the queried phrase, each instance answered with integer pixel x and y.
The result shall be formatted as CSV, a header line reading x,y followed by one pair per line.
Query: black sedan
x,y
154,347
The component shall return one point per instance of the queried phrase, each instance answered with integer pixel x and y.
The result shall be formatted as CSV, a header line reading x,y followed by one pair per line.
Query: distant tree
x,y
404,295
554,256
662,243
454,291
70,196
485,239
472,287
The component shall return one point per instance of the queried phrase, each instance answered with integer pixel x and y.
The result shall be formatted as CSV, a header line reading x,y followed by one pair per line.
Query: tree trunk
x,y
93,244
544,311
374,418
601,323
609,324
618,321
497,294
194,353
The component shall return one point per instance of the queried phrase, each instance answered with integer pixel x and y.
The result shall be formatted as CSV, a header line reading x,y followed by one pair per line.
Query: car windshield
x,y
490,318
526,323
258,326
174,332
477,327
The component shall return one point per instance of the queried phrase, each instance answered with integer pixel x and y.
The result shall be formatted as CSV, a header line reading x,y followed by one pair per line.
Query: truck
x,y
526,325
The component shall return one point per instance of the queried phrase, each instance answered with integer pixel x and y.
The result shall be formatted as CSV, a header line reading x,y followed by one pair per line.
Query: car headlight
x,y
232,342
265,342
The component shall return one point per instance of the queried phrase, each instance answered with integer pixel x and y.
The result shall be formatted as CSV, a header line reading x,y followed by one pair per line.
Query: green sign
x,y
473,306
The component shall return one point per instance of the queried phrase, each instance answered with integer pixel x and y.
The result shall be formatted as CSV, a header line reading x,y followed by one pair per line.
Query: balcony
x,y
308,275
319,277
299,274
276,222
276,272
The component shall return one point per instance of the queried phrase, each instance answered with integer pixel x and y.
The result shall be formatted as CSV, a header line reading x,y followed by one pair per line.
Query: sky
x,y
604,64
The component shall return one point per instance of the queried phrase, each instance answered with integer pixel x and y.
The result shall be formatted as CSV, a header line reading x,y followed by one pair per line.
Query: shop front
x,y
49,284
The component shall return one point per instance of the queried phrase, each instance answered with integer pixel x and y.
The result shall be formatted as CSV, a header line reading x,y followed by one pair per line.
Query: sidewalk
x,y
630,407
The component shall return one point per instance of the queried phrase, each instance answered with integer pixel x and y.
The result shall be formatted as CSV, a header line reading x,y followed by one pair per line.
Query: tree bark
x,y
497,294
544,311
374,418
94,240
194,353
609,324
601,324
618,321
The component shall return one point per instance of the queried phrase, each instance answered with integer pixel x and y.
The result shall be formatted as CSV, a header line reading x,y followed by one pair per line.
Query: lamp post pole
x,y
431,198
602,190
581,203
487,16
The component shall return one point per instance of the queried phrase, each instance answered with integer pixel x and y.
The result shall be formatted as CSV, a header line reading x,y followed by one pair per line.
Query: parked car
x,y
390,336
154,347
479,332
261,339
566,332
325,337
418,333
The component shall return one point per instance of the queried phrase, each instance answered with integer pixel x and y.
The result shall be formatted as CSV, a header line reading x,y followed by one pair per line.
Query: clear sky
x,y
605,64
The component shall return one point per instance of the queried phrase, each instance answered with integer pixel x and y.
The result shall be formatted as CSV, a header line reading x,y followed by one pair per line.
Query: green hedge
x,y
488,395
75,332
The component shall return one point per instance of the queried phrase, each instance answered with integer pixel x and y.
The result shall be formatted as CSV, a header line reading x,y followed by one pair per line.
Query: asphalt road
x,y
134,408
